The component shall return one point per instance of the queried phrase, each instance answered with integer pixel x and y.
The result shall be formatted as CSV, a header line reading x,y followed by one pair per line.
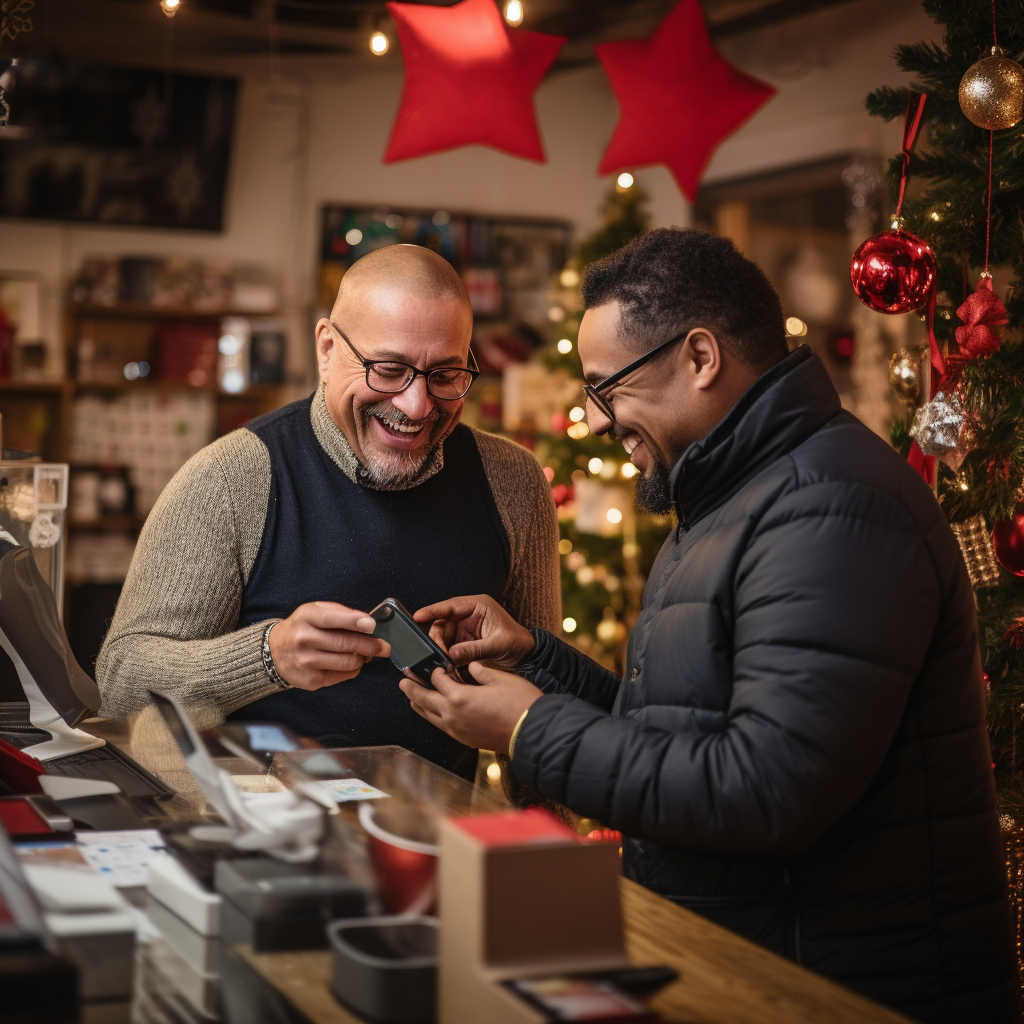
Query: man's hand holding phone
x,y
477,629
483,716
476,632
323,643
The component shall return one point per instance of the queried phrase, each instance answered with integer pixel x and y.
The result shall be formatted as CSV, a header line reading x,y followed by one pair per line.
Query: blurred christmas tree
x,y
967,202
607,547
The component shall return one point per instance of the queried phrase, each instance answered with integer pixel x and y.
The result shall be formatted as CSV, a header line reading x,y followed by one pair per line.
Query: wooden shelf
x,y
143,311
39,387
258,391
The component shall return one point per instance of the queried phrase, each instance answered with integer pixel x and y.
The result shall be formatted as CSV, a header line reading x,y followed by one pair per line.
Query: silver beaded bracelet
x,y
268,658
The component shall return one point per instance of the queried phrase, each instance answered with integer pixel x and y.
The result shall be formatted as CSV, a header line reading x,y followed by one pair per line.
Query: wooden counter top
x,y
724,979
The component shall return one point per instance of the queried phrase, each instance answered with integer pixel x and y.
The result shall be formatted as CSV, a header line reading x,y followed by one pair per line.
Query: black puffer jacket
x,y
798,748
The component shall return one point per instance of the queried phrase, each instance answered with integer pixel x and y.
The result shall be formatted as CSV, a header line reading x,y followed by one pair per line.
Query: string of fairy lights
x,y
380,40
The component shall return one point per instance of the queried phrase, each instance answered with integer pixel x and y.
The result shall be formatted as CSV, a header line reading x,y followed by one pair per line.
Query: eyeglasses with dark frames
x,y
390,376
593,391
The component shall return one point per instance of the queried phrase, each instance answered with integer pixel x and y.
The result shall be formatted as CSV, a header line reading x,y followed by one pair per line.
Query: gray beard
x,y
390,468
652,493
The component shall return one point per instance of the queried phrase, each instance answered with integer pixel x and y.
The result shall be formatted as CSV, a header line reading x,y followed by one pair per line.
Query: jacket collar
x,y
778,412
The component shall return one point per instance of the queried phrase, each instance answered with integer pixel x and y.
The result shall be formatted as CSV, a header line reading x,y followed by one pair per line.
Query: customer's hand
x,y
477,629
479,716
322,643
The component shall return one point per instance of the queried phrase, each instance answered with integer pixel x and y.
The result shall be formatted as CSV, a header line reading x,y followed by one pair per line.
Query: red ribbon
x,y
923,465
938,363
910,127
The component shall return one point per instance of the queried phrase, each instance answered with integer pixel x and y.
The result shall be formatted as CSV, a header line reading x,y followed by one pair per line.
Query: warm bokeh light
x,y
614,515
578,431
795,327
569,278
353,236
628,470
595,465
576,413
565,346
514,12
379,43
564,546
494,771
625,180
569,625
170,7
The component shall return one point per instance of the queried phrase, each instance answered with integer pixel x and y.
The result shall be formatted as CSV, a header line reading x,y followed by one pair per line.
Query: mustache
x,y
393,417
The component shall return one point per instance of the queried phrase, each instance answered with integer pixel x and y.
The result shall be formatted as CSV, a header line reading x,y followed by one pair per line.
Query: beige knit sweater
x,y
174,628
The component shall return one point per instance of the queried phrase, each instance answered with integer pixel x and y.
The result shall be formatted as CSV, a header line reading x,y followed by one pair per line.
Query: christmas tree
x,y
971,219
607,548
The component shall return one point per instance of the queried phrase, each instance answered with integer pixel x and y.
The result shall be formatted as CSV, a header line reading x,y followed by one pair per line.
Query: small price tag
x,y
343,790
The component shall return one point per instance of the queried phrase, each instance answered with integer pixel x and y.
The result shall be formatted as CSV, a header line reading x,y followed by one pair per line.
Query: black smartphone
x,y
411,649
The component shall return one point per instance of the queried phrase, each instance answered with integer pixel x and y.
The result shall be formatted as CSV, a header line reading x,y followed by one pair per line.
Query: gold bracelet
x,y
515,733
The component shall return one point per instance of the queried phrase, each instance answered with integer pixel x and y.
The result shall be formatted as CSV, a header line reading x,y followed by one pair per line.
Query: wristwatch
x,y
268,658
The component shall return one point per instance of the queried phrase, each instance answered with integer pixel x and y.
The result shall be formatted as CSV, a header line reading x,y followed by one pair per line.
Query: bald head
x,y
402,304
409,269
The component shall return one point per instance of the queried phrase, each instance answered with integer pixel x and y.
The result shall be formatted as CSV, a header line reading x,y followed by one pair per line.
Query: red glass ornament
x,y
893,272
1008,542
563,494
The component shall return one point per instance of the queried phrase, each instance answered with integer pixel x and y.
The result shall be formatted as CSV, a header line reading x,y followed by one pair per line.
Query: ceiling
x,y
136,31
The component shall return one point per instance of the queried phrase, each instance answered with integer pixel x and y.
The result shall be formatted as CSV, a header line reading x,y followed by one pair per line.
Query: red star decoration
x,y
469,78
678,98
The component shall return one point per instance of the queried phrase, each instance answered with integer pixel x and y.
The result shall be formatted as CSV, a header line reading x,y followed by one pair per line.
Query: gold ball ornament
x,y
906,373
992,92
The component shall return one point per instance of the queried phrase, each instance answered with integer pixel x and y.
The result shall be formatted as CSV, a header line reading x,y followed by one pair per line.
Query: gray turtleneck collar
x,y
333,441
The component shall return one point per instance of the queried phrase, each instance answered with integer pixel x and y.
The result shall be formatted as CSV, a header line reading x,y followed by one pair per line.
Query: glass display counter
x,y
33,503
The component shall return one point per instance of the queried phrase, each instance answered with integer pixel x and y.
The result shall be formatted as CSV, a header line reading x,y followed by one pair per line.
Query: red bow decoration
x,y
980,313
1014,635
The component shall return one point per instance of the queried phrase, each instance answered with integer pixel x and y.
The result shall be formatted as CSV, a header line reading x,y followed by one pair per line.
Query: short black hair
x,y
671,280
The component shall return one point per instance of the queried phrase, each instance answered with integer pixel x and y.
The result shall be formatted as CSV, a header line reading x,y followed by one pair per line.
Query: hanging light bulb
x,y
379,43
170,7
514,12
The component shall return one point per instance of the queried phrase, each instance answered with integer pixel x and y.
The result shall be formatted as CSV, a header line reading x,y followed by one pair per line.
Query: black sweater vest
x,y
326,538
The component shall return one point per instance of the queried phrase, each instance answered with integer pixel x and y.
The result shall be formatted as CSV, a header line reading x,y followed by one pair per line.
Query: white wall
x,y
823,65
320,136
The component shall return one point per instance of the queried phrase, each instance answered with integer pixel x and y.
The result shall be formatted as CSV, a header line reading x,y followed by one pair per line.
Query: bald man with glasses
x,y
248,593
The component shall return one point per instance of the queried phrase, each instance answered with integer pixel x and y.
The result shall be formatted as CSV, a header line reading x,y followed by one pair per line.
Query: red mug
x,y
405,870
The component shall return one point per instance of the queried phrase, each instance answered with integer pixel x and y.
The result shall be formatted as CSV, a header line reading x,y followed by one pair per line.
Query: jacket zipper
x,y
792,915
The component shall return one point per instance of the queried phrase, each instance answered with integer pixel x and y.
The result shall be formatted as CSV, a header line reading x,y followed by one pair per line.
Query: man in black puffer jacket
x,y
798,747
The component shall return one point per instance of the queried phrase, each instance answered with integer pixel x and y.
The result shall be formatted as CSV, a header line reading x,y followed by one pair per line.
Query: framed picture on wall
x,y
115,145
506,263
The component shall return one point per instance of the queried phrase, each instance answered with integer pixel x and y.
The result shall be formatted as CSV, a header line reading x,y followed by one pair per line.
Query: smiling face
x,y
392,435
664,406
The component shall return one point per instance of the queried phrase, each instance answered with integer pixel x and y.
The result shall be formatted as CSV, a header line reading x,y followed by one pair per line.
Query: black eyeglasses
x,y
389,377
592,391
